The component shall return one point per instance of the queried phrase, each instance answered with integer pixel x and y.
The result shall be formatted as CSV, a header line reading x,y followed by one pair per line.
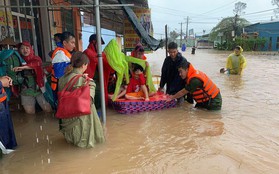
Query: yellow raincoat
x,y
236,63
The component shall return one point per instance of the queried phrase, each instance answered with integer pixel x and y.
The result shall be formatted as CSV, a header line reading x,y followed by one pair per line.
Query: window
x,y
67,20
14,3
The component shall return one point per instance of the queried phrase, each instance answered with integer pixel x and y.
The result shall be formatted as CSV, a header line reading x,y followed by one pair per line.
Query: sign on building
x,y
131,39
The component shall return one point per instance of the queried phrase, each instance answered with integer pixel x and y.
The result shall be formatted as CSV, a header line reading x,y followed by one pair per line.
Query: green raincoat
x,y
119,62
83,131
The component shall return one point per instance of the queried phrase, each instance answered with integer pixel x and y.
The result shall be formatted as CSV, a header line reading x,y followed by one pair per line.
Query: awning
x,y
113,17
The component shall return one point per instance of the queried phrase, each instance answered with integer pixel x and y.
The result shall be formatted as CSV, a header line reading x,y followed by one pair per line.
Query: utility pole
x,y
238,10
187,23
166,34
180,34
235,27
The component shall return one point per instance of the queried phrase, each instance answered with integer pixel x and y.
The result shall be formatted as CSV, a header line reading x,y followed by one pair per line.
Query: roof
x,y
262,23
111,16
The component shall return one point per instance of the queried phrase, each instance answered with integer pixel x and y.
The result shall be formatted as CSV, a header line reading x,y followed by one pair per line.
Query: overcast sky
x,y
203,14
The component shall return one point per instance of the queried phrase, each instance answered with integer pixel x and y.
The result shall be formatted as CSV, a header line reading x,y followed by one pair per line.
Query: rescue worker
x,y
205,92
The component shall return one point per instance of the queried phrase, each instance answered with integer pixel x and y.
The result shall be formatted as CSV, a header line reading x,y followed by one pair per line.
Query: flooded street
x,y
242,138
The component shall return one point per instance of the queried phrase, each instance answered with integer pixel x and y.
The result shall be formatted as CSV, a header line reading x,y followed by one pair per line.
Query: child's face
x,y
24,50
138,72
139,54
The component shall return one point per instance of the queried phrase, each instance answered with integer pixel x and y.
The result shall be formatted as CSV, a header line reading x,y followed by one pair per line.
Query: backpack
x,y
8,60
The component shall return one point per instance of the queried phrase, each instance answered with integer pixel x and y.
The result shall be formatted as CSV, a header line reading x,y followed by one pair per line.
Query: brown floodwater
x,y
241,138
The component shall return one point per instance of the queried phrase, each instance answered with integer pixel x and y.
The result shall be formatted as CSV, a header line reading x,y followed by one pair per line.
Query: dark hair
x,y
184,65
172,45
66,35
77,60
93,37
137,67
139,48
59,35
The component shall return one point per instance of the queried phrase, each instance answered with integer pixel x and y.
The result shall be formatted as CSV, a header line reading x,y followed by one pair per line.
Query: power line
x,y
203,22
176,10
195,15
219,7
260,11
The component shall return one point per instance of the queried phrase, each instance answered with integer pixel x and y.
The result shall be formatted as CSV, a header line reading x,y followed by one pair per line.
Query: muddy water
x,y
241,138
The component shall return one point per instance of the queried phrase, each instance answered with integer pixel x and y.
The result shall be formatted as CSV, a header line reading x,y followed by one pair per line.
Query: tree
x,y
226,26
230,24
239,7
173,36
238,10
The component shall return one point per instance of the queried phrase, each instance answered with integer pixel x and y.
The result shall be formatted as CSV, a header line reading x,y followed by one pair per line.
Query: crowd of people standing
x,y
181,78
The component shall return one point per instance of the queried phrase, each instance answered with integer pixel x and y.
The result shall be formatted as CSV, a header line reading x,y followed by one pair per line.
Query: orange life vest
x,y
3,96
54,80
208,91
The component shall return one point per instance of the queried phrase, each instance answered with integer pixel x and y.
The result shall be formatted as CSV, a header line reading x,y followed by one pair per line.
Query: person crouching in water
x,y
205,92
82,131
32,88
236,62
137,90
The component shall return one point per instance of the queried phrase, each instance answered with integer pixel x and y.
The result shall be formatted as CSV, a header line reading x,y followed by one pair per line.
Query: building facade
x,y
37,21
269,31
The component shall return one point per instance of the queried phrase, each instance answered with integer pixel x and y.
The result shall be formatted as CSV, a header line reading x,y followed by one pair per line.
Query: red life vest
x,y
208,91
54,80
3,96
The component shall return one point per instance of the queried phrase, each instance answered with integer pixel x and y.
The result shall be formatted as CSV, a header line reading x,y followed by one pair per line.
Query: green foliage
x,y
225,46
250,44
226,26
173,36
